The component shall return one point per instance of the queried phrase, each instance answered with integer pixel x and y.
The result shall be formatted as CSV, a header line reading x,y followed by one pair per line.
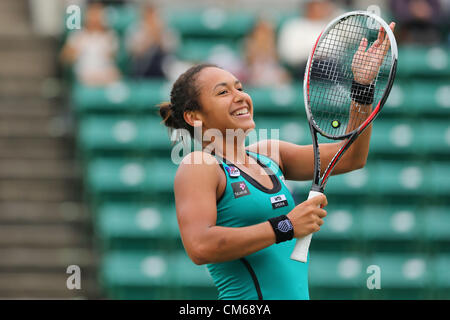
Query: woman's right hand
x,y
307,217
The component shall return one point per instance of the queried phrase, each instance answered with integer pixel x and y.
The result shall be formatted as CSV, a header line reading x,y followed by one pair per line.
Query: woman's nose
x,y
239,96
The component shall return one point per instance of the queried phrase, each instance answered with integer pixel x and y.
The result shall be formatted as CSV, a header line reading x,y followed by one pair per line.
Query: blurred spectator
x,y
92,49
262,66
297,36
418,20
150,45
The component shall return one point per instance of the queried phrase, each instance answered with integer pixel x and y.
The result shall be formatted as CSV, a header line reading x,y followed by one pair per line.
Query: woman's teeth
x,y
240,112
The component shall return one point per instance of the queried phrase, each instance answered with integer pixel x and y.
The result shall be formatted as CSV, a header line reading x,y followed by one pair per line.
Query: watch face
x,y
285,225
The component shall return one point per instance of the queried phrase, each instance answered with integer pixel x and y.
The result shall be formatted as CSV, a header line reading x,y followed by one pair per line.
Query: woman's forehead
x,y
211,76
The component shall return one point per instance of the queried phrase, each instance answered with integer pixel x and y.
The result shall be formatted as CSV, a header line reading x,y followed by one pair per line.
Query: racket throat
x,y
317,188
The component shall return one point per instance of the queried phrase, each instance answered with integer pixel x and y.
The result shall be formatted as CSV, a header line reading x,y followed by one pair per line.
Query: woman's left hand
x,y
366,64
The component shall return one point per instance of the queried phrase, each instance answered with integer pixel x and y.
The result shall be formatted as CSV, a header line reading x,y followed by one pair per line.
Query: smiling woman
x,y
233,205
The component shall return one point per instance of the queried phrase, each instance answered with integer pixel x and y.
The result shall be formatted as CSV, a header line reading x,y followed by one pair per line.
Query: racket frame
x,y
317,185
300,252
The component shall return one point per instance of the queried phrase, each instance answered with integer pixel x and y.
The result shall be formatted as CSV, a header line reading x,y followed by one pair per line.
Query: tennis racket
x,y
348,77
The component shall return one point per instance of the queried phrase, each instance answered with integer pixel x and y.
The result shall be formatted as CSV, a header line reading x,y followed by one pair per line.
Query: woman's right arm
x,y
195,198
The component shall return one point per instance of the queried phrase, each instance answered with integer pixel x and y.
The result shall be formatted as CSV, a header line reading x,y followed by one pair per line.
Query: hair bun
x,y
166,113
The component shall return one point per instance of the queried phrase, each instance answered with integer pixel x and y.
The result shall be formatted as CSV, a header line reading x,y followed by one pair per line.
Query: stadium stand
x,y
394,213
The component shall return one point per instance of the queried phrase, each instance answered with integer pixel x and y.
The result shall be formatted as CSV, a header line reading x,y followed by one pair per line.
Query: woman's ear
x,y
191,117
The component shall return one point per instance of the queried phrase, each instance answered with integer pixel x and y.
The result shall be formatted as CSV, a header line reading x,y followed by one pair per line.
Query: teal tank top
x,y
268,274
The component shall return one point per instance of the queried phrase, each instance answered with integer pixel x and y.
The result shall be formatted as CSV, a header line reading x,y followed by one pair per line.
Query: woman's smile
x,y
243,112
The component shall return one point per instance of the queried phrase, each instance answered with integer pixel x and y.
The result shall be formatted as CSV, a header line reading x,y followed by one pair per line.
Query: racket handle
x,y
300,252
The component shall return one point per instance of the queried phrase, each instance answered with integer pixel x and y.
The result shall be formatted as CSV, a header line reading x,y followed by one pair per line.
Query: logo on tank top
x,y
240,189
279,201
233,172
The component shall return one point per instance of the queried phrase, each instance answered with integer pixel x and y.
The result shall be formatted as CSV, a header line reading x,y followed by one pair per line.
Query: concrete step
x,y
39,190
31,108
19,127
14,18
27,63
42,285
37,148
43,212
44,236
39,169
26,259
14,7
26,42
21,87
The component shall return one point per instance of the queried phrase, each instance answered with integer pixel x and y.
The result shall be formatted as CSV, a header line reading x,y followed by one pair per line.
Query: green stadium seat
x,y
200,50
155,275
401,178
434,137
125,96
403,271
288,129
391,223
430,97
384,178
341,223
395,136
437,222
129,175
440,171
399,100
286,99
423,61
210,22
417,97
442,276
133,226
121,17
356,183
150,93
346,276
336,270
115,97
97,133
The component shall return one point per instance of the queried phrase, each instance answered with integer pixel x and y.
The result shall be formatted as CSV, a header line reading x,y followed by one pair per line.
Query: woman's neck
x,y
233,152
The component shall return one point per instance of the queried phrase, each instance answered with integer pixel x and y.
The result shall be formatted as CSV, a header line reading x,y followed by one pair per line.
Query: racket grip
x,y
300,252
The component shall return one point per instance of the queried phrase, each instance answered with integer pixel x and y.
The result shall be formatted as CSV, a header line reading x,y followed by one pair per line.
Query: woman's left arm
x,y
297,162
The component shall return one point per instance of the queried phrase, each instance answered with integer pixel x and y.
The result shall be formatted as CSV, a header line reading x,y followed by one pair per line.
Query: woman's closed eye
x,y
225,91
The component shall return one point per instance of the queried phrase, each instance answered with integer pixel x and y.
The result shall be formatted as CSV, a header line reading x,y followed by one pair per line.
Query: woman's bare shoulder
x,y
201,158
268,148
198,166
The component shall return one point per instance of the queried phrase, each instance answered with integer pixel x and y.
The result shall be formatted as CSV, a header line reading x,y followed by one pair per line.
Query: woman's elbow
x,y
199,255
198,260
360,164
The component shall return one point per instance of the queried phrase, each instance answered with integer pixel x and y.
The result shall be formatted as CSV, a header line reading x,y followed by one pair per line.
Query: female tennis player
x,y
234,210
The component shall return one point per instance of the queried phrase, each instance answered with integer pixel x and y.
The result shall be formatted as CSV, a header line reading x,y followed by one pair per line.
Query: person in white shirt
x,y
92,50
297,36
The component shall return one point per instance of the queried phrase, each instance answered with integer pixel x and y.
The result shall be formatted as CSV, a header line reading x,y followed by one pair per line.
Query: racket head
x,y
328,74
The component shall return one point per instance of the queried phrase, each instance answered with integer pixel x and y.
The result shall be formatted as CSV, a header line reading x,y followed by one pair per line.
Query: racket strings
x,y
332,71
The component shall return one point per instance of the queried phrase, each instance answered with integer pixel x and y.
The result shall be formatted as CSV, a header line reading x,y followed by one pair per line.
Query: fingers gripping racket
x,y
348,77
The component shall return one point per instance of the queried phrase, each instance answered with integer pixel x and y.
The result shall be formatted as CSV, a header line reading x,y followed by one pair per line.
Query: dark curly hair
x,y
183,97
